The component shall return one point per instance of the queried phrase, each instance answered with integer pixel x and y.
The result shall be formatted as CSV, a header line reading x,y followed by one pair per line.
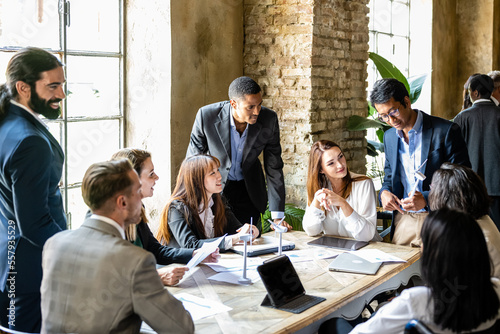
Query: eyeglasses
x,y
385,118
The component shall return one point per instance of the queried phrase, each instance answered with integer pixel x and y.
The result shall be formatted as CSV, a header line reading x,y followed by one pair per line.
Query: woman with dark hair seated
x,y
195,212
339,202
459,295
460,188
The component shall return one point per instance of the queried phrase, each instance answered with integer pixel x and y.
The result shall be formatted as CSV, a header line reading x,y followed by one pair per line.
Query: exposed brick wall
x,y
310,59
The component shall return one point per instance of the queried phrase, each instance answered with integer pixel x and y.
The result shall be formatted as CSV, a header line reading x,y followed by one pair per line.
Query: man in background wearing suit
x,y
480,125
495,95
31,160
237,132
416,142
95,281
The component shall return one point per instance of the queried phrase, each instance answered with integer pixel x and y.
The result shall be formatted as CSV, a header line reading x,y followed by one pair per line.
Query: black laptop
x,y
284,289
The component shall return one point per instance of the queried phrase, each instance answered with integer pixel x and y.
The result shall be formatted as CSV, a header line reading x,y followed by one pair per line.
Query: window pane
x,y
382,16
400,58
77,207
24,23
400,19
55,129
90,142
4,60
93,86
95,25
384,46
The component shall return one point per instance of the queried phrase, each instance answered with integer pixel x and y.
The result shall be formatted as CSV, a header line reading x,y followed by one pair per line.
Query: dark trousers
x,y
495,210
22,312
240,203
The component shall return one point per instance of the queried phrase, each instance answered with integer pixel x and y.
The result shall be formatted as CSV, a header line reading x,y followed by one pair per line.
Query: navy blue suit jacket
x,y
442,142
31,207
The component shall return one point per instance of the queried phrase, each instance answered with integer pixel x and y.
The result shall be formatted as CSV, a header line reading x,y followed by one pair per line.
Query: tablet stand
x,y
245,280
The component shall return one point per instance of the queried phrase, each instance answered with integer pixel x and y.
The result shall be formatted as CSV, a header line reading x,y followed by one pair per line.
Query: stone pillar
x,y
310,59
465,36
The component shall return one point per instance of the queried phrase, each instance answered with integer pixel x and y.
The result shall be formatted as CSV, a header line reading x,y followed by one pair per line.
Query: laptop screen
x,y
281,280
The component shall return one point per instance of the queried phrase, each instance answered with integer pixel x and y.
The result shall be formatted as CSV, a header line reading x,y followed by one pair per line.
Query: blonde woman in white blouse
x,y
339,202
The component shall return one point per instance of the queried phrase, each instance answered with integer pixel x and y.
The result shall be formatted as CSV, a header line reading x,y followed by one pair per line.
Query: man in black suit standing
x,y
480,126
236,132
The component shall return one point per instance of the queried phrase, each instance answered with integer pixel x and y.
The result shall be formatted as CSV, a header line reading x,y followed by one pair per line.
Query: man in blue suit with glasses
x,y
415,148
31,161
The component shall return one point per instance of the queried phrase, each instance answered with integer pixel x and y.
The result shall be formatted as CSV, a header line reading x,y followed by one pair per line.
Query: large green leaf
x,y
358,123
387,69
293,216
371,150
416,82
371,111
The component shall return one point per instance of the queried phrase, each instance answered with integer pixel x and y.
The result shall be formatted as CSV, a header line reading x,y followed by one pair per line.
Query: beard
x,y
43,107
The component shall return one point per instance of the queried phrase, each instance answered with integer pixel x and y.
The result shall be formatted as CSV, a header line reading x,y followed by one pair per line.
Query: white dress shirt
x,y
413,303
361,224
110,222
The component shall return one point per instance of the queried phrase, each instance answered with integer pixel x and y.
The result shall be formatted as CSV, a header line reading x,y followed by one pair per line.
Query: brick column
x,y
310,59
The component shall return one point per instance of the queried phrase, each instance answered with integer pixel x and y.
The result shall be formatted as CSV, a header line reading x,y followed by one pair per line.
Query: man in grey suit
x,y
480,126
94,281
237,132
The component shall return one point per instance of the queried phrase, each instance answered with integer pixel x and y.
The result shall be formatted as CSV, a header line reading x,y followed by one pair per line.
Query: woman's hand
x,y
327,198
245,229
212,258
172,275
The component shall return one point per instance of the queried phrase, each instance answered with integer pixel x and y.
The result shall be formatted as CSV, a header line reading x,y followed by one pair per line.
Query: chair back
x,y
415,326
4,330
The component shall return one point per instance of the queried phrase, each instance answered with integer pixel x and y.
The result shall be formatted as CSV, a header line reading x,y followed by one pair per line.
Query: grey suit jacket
x,y
480,125
212,134
96,282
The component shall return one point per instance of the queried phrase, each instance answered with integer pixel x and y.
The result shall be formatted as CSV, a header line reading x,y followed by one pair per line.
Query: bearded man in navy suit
x,y
31,160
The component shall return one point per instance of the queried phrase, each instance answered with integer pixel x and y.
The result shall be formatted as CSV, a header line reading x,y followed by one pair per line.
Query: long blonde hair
x,y
137,157
190,190
317,180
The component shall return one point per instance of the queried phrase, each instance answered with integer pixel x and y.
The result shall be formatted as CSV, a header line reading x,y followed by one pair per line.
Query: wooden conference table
x,y
346,294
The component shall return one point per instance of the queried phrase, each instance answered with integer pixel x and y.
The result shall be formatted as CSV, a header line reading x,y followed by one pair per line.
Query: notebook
x,y
284,289
264,245
338,243
350,263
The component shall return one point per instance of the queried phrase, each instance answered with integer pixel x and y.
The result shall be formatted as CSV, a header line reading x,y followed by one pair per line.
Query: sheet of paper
x,y
376,255
235,264
207,249
325,253
233,276
200,308
299,255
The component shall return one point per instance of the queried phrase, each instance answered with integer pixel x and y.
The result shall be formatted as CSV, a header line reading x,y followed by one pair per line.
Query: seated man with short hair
x,y
94,281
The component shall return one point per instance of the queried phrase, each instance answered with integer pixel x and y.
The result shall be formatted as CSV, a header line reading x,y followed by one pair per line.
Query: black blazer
x,y
212,134
163,254
184,232
480,125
